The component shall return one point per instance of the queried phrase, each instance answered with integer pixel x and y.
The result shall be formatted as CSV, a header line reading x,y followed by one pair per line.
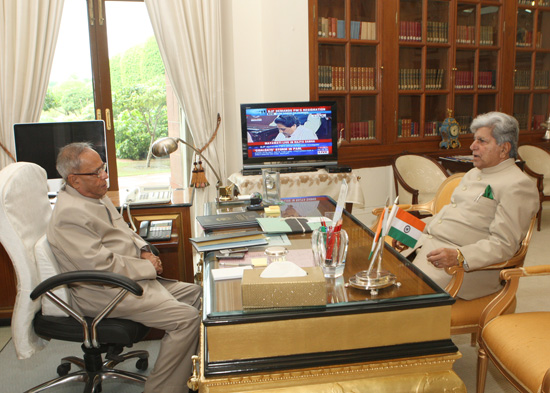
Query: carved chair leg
x,y
481,370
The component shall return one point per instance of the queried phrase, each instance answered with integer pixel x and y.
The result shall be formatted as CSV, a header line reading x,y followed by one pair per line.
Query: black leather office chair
x,y
24,214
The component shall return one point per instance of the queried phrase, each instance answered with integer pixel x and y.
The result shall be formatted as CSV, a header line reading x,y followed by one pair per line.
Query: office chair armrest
x,y
91,276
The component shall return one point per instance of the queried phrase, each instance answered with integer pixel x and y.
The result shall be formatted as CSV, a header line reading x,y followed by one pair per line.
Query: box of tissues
x,y
283,286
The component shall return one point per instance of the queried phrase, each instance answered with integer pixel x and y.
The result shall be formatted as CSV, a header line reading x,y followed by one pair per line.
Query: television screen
x,y
40,143
284,133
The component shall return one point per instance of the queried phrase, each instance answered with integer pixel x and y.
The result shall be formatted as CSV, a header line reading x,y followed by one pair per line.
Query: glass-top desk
x,y
405,327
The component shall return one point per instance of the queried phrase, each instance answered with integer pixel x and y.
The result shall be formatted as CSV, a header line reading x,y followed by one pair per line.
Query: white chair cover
x,y
421,174
24,214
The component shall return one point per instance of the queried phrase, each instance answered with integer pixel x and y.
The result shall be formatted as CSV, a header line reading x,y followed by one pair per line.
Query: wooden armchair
x,y
517,344
417,178
466,314
537,165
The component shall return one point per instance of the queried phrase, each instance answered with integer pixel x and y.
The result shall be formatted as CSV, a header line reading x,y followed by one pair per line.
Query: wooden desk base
x,y
431,373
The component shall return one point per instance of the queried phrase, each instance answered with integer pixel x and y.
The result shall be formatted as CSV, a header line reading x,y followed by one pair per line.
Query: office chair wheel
x,y
63,369
142,364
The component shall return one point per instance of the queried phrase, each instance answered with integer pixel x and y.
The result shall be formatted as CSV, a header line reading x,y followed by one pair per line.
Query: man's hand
x,y
443,257
154,260
398,245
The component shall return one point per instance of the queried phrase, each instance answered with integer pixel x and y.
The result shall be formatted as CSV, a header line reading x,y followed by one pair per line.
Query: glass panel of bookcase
x,y
436,112
410,68
540,111
362,118
466,24
522,75
521,110
488,62
362,67
524,33
542,71
436,66
340,114
363,20
486,103
438,22
464,75
331,19
489,28
408,122
331,70
410,20
464,111
543,27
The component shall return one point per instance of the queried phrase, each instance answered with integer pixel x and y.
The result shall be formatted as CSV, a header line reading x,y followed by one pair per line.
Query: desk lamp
x,y
165,146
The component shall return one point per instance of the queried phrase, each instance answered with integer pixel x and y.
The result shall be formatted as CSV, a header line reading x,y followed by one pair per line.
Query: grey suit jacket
x,y
90,234
486,230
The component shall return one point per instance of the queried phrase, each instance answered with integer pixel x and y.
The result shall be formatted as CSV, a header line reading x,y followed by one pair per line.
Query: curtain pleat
x,y
188,36
28,36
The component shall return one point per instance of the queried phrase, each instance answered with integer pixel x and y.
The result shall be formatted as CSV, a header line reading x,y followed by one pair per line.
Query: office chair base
x,y
93,381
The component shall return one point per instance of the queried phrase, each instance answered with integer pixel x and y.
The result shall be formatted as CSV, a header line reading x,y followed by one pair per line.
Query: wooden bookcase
x,y
394,67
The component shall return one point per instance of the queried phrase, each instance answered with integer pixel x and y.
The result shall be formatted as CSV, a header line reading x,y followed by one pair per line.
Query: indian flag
x,y
406,228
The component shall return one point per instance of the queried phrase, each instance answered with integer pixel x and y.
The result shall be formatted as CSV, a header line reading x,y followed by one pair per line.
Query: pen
x,y
479,196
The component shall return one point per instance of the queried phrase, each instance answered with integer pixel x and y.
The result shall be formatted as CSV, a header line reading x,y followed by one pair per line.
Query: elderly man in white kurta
x,y
489,213
86,232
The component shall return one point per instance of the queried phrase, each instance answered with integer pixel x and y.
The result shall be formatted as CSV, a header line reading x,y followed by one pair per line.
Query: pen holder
x,y
329,250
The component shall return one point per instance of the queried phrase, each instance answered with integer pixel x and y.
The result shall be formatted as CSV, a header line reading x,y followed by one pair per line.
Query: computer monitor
x,y
40,143
267,142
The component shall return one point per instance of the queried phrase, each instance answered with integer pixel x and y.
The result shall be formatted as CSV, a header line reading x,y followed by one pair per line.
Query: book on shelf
x,y
438,32
542,79
407,128
410,31
362,130
465,34
228,220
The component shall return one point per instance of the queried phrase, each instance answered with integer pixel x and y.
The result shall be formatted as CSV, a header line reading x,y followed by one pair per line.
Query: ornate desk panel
x,y
395,340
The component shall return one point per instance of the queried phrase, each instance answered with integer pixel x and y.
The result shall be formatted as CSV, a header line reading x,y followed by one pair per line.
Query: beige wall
x,y
266,59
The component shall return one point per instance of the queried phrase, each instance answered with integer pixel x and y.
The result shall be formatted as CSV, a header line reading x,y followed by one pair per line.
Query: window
x,y
108,66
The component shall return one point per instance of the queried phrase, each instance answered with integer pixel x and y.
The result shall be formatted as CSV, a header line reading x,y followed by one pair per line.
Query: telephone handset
x,y
155,230
149,195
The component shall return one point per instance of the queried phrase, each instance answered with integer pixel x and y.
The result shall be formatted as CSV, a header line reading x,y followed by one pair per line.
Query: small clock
x,y
449,131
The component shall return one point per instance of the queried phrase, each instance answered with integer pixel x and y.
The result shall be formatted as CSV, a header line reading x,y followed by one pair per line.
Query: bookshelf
x,y
394,67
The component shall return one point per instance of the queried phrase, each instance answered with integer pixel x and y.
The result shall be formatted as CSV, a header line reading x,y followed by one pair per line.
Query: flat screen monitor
x,y
289,133
40,143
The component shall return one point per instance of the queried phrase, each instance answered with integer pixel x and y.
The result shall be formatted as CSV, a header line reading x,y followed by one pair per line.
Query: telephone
x,y
149,195
155,230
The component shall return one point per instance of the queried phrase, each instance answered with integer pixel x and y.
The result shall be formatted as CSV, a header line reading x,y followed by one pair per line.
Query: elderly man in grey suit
x,y
86,232
489,213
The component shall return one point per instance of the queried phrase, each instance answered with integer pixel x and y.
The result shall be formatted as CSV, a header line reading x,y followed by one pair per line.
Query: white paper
x,y
283,269
229,273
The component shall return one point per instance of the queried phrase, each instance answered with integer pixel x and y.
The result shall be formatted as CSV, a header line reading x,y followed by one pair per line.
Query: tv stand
x,y
309,184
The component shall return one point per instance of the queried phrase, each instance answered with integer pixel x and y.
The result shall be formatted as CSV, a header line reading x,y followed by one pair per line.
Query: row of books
x,y
363,30
362,130
331,27
331,77
522,79
524,38
537,121
407,128
464,80
362,78
544,3
486,80
431,128
438,32
464,121
410,31
410,78
467,35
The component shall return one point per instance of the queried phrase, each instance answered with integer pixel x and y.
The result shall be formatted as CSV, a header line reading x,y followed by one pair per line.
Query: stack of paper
x,y
228,240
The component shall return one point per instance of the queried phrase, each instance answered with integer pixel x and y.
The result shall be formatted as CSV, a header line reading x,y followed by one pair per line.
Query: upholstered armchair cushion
x,y
523,340
466,312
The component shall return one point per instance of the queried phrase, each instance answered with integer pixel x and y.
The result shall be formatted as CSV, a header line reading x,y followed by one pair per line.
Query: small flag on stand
x,y
406,228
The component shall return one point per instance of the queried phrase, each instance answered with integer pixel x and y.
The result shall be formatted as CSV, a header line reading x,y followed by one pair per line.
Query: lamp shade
x,y
164,146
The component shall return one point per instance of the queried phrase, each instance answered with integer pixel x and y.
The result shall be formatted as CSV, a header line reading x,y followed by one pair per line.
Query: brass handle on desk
x,y
193,381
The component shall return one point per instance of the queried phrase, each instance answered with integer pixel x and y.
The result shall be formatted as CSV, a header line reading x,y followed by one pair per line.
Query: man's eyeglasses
x,y
97,173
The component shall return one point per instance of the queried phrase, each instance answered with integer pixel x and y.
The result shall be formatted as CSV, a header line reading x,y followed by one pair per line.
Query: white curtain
x,y
188,36
28,36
